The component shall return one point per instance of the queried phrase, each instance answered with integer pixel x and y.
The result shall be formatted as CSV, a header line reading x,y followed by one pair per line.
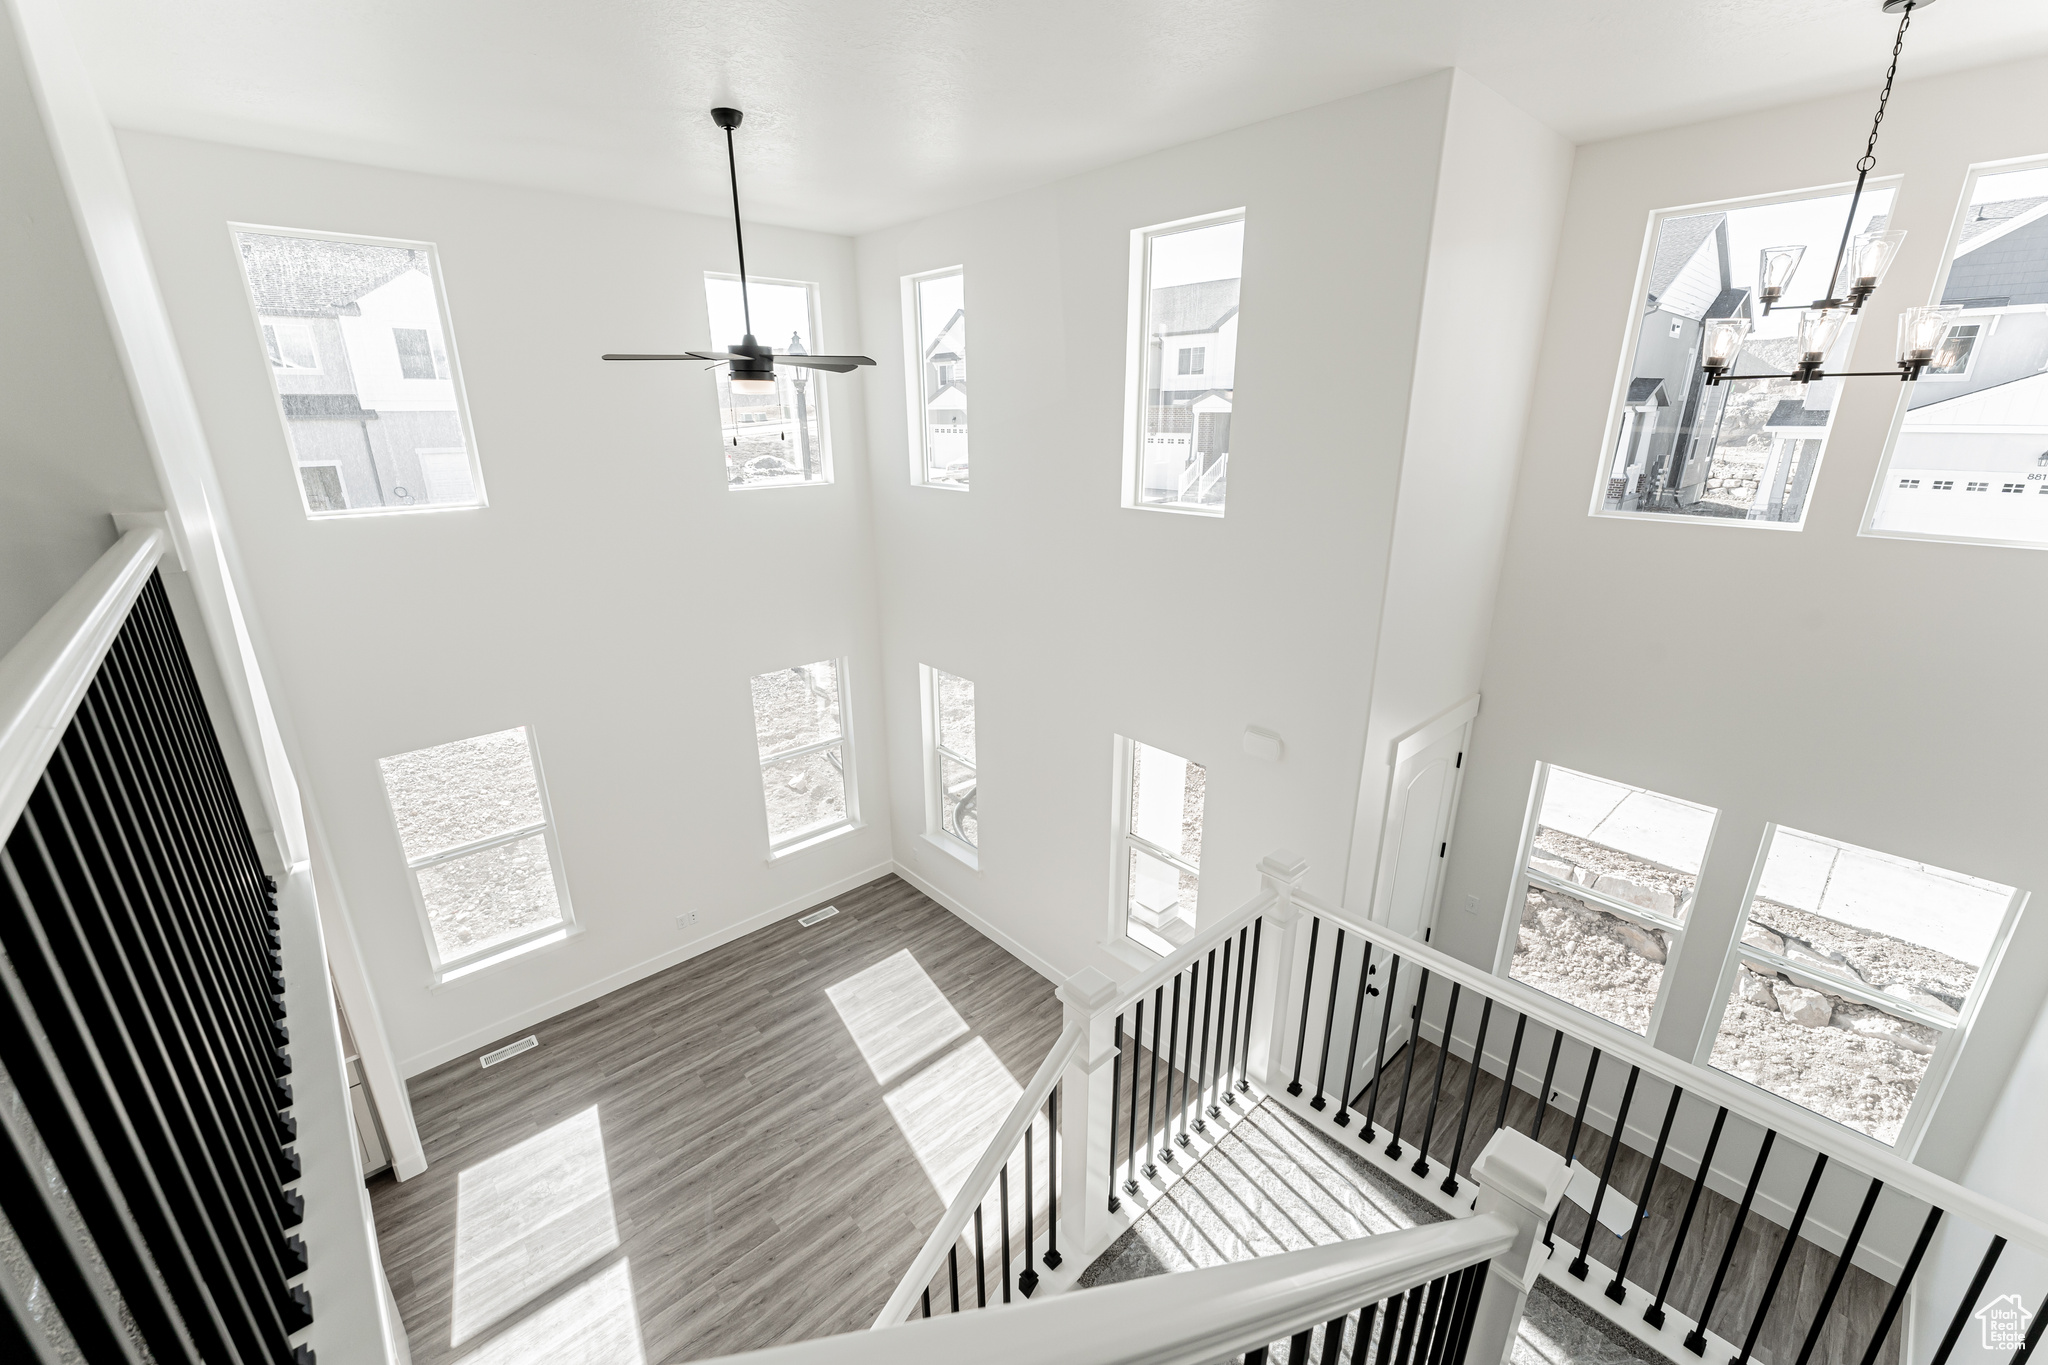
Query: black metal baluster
x,y
1255,1356
1252,1003
1187,1061
1479,1273
1696,1340
1329,1019
1027,1278
1898,1294
1308,978
926,1300
1003,1219
1432,1310
1202,1054
1052,1176
1969,1301
1214,1109
953,1272
1172,1046
1443,1053
1408,1071
1333,1335
980,1264
1446,1312
1549,1075
1297,1347
1827,1298
1654,1314
2033,1339
1343,1115
1450,1185
1411,1311
1628,1095
1616,1290
1763,1308
1131,1137
1507,1080
1116,1066
1152,1090
1379,1056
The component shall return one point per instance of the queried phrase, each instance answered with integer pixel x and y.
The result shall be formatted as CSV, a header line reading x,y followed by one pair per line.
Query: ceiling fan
x,y
751,365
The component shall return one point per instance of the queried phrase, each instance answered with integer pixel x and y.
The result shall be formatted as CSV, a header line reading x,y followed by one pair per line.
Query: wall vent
x,y
526,1044
827,913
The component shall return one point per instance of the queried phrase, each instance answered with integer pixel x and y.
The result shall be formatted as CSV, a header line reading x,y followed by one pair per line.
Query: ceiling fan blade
x,y
838,364
686,355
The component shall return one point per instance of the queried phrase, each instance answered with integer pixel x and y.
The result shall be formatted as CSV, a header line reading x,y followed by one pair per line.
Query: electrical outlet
x,y
1471,905
685,921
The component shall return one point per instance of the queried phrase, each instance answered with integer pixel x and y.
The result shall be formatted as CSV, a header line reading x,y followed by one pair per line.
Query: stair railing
x,y
1460,1011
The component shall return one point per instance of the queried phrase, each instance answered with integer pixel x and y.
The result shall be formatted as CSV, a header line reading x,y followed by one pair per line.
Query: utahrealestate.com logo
x,y
2005,1321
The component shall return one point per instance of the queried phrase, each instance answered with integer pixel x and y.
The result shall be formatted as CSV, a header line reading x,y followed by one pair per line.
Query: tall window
x,y
358,340
1977,421
805,767
771,439
1159,843
1854,970
1185,277
951,789
1607,890
1746,450
937,326
479,843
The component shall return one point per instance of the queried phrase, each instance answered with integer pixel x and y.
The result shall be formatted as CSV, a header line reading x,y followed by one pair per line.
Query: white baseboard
x,y
986,929
521,1020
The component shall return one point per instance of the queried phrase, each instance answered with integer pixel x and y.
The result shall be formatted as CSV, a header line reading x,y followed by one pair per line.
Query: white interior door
x,y
1419,823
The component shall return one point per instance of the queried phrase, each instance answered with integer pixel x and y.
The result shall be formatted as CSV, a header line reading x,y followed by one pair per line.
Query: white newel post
x,y
1280,872
1521,1180
1085,1100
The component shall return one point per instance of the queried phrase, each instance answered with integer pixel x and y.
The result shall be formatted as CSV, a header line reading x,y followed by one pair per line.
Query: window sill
x,y
1212,513
946,843
456,975
941,487
810,841
769,487
358,513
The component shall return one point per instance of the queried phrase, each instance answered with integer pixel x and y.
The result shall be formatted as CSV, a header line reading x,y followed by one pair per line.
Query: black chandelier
x,y
1860,265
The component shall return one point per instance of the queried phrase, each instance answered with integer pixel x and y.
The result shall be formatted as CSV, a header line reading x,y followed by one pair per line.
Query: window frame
x,y
816,834
935,830
446,314
1136,346
1940,1066
814,302
1675,927
1618,404
447,970
915,398
1121,940
1987,319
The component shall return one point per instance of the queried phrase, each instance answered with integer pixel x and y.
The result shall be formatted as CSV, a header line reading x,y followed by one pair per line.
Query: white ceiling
x,y
870,112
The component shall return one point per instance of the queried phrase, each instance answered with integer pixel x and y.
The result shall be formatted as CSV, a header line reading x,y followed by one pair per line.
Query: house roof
x,y
317,276
1678,241
1641,391
1793,412
1732,302
949,397
932,352
2003,257
2021,403
1180,309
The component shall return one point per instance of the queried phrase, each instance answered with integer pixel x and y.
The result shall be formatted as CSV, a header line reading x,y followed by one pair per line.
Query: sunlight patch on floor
x,y
593,1324
528,1218
950,1111
897,1015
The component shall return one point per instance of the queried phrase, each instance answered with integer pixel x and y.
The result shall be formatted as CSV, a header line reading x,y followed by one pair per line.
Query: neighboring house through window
x,y
935,322
1159,844
780,439
1185,278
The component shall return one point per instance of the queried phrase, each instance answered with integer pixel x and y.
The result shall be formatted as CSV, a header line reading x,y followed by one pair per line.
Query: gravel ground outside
x,y
794,707
1866,1083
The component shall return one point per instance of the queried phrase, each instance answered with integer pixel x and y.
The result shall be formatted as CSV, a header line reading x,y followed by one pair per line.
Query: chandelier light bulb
x,y
1775,267
1818,329
1870,256
1923,333
1724,342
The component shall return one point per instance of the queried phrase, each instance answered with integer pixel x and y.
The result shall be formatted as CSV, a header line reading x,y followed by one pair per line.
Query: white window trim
x,y
1878,486
287,368
1632,333
1136,346
1927,1095
476,467
935,831
816,834
1120,941
446,970
913,375
1673,927
1986,325
814,302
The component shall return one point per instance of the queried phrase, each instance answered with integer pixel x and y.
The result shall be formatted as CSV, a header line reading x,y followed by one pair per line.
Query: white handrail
x,y
976,1187
1196,946
45,676
1863,1153
1189,1318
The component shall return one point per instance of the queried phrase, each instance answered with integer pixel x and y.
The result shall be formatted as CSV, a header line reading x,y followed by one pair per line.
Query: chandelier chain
x,y
1869,158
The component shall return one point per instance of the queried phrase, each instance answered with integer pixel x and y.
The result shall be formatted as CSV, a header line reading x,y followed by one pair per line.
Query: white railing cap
x,y
1523,1169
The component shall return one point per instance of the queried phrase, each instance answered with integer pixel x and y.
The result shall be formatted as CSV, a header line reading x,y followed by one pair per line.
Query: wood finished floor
x,y
762,1189
1857,1305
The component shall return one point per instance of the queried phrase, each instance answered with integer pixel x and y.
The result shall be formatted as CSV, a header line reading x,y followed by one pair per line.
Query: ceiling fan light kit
x,y
750,366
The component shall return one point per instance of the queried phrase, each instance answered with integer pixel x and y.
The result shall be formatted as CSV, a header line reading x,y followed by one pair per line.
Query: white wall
x,y
1872,690
614,596
1079,620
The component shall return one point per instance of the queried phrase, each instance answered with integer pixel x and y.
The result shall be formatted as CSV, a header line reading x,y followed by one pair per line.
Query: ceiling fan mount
x,y
750,365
